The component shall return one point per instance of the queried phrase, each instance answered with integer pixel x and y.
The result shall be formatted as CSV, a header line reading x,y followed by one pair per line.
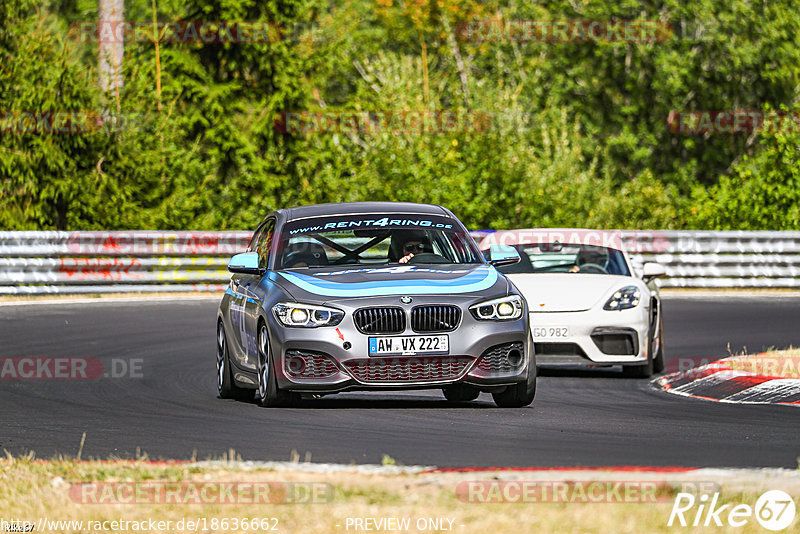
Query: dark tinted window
x,y
262,242
375,239
558,258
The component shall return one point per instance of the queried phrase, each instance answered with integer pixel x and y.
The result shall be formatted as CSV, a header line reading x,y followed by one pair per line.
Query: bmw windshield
x,y
374,240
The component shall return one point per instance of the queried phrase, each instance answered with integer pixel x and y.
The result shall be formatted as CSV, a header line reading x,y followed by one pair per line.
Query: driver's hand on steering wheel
x,y
409,248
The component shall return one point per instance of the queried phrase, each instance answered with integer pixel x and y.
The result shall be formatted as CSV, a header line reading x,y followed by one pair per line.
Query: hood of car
x,y
566,292
334,283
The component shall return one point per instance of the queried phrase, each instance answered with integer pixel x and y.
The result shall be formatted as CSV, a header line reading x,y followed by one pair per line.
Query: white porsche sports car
x,y
587,304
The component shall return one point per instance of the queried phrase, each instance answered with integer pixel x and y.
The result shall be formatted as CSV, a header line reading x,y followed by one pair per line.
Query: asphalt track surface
x,y
589,418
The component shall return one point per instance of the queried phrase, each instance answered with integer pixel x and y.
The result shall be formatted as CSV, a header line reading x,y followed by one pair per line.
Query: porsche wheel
x,y
655,356
658,347
639,371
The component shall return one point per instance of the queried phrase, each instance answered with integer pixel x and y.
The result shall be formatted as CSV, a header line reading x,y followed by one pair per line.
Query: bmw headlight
x,y
502,309
306,315
622,299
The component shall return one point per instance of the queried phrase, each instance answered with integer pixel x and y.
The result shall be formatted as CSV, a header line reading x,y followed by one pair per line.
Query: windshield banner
x,y
367,222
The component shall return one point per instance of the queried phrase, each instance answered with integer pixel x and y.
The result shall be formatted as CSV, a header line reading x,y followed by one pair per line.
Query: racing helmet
x,y
594,255
401,237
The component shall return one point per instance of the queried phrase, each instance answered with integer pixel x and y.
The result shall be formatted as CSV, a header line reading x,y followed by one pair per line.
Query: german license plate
x,y
409,345
550,332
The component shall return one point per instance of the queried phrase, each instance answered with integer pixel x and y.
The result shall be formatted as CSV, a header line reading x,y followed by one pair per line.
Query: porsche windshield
x,y
374,239
558,258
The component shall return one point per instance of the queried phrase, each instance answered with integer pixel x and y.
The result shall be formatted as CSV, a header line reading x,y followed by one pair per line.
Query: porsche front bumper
x,y
594,336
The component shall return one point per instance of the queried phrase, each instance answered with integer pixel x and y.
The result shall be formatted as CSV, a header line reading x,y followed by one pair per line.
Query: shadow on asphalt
x,y
583,372
343,401
394,404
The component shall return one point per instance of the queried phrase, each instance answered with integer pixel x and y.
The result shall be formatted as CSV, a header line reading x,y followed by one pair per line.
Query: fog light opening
x,y
296,365
514,357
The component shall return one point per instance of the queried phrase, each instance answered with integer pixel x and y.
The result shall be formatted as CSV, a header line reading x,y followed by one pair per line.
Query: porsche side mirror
x,y
245,263
500,255
651,270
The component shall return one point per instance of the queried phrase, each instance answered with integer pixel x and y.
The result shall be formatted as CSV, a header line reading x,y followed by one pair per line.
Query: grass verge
x,y
93,491
774,363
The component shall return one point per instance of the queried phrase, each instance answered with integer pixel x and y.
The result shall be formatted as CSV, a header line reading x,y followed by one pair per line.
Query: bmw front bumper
x,y
485,354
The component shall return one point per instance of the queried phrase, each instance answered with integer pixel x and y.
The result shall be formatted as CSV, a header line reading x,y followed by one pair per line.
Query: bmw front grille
x,y
391,320
435,318
380,320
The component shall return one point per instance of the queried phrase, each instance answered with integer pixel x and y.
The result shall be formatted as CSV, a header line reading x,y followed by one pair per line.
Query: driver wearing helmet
x,y
406,244
413,247
589,257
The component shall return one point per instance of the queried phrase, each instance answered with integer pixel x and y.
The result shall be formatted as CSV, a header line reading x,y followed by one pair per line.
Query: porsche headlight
x,y
502,309
624,298
306,315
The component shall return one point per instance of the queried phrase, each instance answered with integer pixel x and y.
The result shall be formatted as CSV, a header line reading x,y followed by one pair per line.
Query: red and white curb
x,y
721,381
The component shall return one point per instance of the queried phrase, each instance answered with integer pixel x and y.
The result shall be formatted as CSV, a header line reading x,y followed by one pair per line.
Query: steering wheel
x,y
593,266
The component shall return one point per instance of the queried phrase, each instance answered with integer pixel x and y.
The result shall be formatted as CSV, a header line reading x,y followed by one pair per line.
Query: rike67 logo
x,y
774,510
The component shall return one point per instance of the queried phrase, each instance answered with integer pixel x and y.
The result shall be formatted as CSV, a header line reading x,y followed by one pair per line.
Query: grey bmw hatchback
x,y
371,296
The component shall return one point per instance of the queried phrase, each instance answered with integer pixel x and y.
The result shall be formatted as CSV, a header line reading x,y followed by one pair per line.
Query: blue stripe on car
x,y
477,280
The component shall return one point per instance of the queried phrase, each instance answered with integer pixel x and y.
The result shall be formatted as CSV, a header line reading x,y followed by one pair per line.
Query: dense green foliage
x,y
570,133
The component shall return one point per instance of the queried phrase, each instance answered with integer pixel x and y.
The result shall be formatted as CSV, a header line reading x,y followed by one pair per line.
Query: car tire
x,y
268,395
522,393
460,393
655,357
658,360
226,387
639,371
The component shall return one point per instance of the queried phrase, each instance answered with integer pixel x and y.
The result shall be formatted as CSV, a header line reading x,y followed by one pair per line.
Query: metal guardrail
x,y
150,261
105,262
719,259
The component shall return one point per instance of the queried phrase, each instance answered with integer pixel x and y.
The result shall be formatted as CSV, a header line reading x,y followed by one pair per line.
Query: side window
x,y
253,240
264,243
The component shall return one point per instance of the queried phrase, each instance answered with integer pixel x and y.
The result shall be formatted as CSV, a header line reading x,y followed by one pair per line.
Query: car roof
x,y
351,208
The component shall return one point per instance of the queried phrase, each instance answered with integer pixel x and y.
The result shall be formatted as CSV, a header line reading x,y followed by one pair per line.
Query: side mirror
x,y
245,263
500,255
652,270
